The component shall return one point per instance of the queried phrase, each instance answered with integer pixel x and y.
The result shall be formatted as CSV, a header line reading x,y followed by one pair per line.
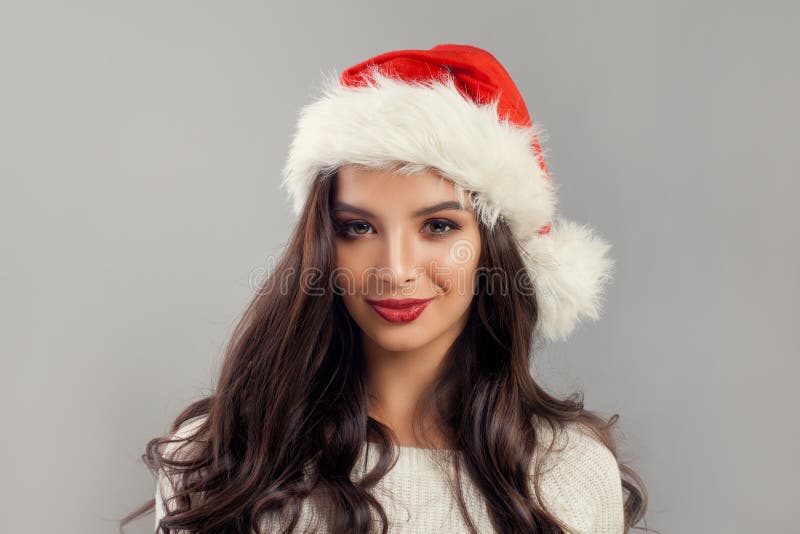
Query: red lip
x,y
398,303
399,310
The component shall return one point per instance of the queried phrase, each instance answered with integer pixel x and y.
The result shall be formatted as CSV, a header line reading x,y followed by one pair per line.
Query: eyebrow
x,y
448,205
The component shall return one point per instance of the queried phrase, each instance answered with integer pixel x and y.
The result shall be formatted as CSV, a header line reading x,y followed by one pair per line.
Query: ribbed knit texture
x,y
580,484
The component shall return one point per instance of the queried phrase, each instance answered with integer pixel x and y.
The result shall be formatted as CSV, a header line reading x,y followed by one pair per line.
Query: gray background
x,y
141,149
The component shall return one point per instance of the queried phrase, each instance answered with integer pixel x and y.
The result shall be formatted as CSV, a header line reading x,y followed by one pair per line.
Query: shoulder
x,y
580,480
189,428
184,439
178,449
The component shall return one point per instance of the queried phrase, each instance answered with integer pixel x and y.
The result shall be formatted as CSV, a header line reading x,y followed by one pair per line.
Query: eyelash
x,y
342,228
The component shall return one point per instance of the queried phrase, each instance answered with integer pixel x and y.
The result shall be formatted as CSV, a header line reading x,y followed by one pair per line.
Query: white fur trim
x,y
570,267
431,124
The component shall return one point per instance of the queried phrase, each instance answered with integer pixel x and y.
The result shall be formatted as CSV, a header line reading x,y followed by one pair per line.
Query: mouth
x,y
399,310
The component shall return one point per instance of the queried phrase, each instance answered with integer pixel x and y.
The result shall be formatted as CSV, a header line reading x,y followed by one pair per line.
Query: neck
x,y
395,383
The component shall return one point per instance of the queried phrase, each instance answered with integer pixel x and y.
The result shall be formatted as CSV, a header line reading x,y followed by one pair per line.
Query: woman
x,y
398,327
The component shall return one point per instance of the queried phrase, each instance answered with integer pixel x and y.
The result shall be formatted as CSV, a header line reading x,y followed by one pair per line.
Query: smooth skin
x,y
388,247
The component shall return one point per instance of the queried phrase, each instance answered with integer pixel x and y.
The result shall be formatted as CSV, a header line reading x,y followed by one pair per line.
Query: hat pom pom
x,y
570,267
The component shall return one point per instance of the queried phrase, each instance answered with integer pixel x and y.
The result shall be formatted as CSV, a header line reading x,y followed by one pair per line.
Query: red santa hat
x,y
455,108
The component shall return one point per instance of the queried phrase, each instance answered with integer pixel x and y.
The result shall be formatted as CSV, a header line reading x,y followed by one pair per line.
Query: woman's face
x,y
404,237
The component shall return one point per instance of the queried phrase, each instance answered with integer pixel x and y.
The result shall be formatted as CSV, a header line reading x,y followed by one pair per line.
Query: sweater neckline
x,y
411,461
412,449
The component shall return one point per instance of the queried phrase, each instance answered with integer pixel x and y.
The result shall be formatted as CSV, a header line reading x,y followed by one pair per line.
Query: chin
x,y
397,337
397,342
394,337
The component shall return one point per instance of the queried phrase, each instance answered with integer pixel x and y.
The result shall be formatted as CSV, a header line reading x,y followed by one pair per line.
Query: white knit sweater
x,y
580,484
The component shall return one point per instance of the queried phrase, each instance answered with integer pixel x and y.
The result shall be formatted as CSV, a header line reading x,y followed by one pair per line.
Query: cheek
x,y
347,270
453,269
357,277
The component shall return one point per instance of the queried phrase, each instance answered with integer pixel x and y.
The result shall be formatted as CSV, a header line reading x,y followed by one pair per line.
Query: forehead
x,y
357,184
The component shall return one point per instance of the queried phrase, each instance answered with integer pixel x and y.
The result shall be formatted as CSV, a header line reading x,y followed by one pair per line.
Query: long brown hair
x,y
291,394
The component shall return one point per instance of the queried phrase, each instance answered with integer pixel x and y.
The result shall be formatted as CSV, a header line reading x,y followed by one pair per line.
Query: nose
x,y
398,262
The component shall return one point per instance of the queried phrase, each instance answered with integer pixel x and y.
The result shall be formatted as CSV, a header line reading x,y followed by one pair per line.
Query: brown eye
x,y
441,227
363,226
352,230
